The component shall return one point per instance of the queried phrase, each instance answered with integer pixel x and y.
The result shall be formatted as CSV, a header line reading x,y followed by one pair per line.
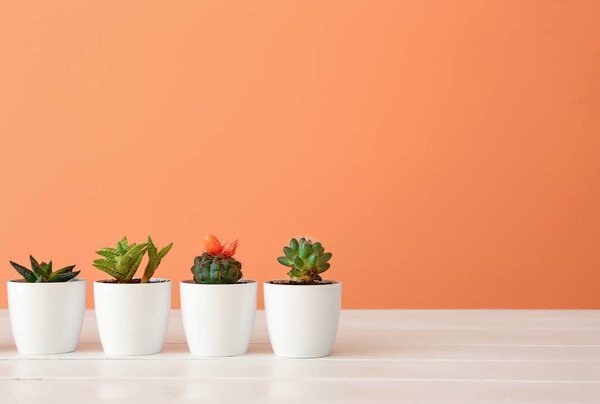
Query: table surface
x,y
380,356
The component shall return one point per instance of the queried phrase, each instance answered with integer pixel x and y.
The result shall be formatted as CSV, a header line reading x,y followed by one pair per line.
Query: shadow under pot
x,y
46,317
132,318
218,318
302,320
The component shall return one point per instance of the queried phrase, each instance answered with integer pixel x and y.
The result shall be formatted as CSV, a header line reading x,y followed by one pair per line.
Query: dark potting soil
x,y
289,282
134,280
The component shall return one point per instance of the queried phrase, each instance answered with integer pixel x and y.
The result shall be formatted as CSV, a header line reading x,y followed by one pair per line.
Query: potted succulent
x,y
218,306
132,313
46,308
303,311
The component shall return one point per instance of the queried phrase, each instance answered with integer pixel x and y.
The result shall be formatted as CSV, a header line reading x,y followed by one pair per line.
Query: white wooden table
x,y
381,356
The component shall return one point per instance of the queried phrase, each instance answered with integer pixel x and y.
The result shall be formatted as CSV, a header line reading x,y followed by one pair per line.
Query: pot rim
x,y
24,282
332,283
109,284
191,282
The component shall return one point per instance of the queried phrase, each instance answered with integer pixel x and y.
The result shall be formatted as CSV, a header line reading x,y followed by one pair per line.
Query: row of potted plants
x,y
46,307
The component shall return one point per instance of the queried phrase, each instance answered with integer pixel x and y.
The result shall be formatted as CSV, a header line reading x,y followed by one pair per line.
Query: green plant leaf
x,y
311,260
107,252
323,268
122,246
298,263
101,261
64,270
151,250
64,277
24,272
164,251
289,252
294,244
110,271
134,267
285,261
35,266
47,270
303,249
315,248
323,258
136,249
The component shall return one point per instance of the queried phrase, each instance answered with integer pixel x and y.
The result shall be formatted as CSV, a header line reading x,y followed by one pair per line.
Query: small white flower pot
x,y
302,319
46,317
132,317
218,318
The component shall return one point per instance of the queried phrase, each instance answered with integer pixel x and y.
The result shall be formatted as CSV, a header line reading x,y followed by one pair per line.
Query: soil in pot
x,y
235,283
134,280
289,282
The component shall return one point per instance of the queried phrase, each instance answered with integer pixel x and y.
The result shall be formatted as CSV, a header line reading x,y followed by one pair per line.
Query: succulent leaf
x,y
107,252
35,266
323,268
164,251
304,249
47,269
316,248
294,272
285,261
122,246
154,259
294,244
324,258
311,261
25,273
64,277
64,270
289,252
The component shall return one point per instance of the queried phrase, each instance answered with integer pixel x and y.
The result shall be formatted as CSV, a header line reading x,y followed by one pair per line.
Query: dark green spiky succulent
x,y
121,262
307,260
217,264
43,272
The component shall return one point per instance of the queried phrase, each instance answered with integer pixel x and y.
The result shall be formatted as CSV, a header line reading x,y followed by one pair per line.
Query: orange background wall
x,y
448,153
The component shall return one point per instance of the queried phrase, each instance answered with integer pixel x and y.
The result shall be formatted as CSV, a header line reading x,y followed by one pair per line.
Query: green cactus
x,y
217,264
154,259
307,260
43,272
121,262
216,269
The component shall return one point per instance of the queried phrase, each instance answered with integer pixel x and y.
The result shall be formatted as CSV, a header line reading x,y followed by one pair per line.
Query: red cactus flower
x,y
212,245
229,248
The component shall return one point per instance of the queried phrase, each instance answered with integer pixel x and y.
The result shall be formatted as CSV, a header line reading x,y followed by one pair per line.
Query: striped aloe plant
x,y
43,272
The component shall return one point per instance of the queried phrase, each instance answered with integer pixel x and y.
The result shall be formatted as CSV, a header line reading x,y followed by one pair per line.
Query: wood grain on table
x,y
380,356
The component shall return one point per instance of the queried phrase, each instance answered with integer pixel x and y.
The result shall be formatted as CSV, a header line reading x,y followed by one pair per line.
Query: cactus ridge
x,y
307,259
218,269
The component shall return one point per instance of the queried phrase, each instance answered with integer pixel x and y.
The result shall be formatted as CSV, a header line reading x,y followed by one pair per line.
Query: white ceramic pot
x,y
46,317
218,319
302,319
132,317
